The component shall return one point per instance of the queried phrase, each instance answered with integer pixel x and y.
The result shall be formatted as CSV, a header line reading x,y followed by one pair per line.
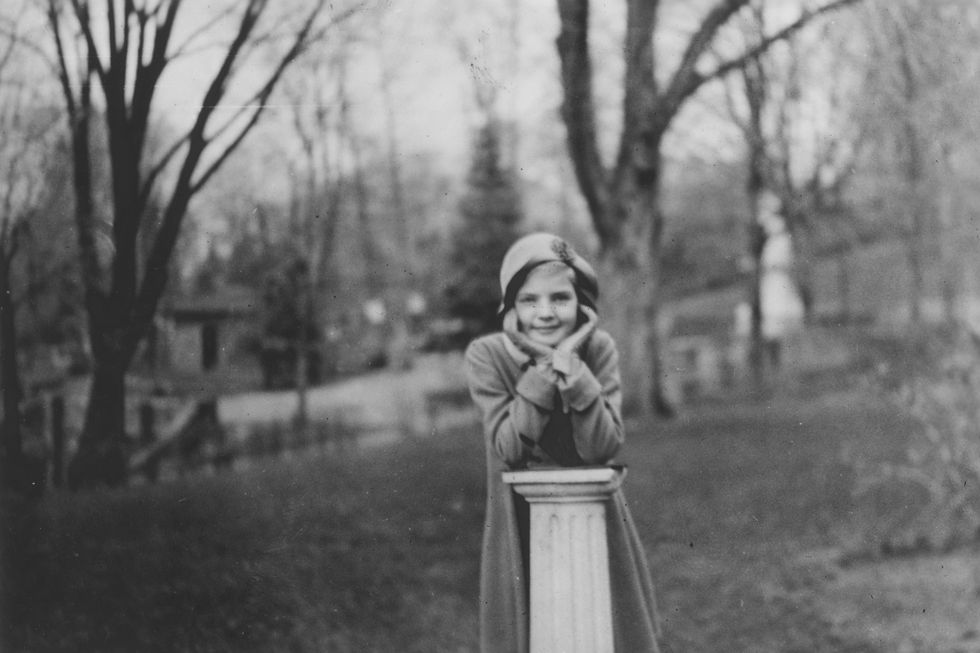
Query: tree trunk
x,y
630,308
914,248
916,227
630,281
757,241
399,349
755,79
913,165
100,458
304,348
844,288
10,375
619,316
757,238
950,254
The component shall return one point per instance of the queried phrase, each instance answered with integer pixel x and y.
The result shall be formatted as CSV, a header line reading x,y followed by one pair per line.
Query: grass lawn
x,y
743,510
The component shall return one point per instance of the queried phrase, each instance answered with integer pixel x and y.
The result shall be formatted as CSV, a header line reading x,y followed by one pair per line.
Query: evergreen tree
x,y
490,215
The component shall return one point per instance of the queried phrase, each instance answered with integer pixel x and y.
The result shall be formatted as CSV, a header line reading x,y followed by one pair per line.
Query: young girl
x,y
548,391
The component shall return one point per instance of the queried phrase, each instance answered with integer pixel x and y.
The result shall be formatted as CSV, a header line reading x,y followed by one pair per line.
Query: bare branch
x,y
261,97
142,21
78,106
8,53
258,99
185,48
63,76
148,73
111,29
84,21
578,113
764,44
198,142
154,172
686,79
28,42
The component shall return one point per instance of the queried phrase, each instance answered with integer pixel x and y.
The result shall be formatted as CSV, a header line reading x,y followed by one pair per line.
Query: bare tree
x,y
404,253
367,247
804,163
624,199
922,79
26,153
124,50
316,113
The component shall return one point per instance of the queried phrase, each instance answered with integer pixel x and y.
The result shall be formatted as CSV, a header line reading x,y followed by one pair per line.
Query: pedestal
x,y
571,610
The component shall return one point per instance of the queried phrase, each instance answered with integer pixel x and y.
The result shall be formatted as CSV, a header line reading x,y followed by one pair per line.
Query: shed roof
x,y
221,303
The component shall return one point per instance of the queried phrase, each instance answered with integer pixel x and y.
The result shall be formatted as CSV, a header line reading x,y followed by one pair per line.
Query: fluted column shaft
x,y
571,609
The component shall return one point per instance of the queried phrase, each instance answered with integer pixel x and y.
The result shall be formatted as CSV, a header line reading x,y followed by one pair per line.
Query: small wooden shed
x,y
205,329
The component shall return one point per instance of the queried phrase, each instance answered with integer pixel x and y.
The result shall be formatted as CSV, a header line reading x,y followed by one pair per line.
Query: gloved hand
x,y
541,355
566,352
535,350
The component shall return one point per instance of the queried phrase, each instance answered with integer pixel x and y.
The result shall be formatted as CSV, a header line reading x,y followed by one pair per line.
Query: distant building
x,y
202,332
701,351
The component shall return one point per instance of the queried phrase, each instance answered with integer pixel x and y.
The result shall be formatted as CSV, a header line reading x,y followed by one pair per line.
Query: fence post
x,y
56,426
571,608
148,435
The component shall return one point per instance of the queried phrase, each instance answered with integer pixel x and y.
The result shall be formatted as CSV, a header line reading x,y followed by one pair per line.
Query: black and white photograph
x,y
489,326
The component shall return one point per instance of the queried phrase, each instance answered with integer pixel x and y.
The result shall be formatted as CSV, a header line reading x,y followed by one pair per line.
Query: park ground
x,y
745,507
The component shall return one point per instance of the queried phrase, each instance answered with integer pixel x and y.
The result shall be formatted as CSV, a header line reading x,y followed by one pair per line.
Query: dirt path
x,y
376,401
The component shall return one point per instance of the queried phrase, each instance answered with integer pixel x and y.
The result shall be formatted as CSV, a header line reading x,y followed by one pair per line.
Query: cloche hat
x,y
533,250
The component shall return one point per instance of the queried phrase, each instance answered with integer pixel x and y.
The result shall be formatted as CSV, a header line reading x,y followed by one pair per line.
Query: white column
x,y
571,609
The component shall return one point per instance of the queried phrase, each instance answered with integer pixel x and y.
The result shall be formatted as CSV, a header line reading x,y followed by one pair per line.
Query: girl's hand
x,y
565,354
541,355
537,352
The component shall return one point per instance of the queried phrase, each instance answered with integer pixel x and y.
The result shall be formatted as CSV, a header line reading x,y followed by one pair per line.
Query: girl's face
x,y
547,306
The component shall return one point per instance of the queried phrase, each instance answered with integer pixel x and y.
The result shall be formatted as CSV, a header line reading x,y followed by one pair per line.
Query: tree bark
x,y
304,348
625,205
635,259
9,372
100,456
949,236
756,95
913,170
916,232
844,287
399,345
630,305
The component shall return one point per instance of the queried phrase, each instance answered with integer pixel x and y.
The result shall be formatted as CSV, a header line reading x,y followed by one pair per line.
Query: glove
x,y
536,351
565,354
541,355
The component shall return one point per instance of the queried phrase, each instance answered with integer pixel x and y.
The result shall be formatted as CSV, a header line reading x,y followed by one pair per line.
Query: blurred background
x,y
242,242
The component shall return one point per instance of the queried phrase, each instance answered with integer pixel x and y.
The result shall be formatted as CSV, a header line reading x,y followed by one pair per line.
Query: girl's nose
x,y
546,310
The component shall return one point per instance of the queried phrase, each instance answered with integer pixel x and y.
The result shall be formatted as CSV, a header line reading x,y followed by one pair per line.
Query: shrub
x,y
490,217
930,500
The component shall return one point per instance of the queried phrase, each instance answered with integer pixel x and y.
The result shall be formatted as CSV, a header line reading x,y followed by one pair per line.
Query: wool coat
x,y
525,425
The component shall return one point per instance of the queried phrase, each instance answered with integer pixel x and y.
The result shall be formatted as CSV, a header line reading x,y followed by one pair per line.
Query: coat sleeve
x,y
593,395
512,423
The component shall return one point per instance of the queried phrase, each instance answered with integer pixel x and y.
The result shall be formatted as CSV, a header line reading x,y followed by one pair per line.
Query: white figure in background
x,y
780,302
741,344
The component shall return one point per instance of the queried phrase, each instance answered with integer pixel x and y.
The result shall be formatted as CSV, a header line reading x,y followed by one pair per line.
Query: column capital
x,y
566,484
